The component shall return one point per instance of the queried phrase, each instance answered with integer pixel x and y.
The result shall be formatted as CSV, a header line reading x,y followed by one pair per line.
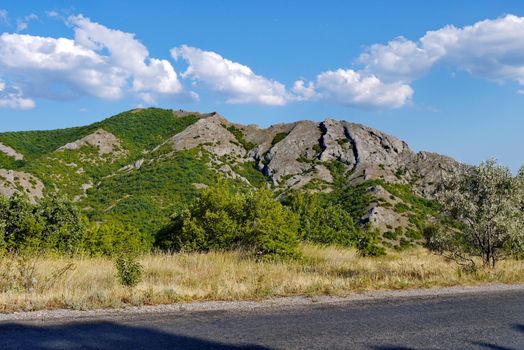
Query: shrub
x,y
129,270
487,200
368,243
323,222
54,224
224,219
279,137
112,238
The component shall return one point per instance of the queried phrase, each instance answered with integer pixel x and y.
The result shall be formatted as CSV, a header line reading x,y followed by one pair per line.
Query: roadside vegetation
x,y
93,282
231,241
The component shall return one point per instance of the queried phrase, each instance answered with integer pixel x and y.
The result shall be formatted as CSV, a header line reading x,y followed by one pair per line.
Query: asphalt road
x,y
471,321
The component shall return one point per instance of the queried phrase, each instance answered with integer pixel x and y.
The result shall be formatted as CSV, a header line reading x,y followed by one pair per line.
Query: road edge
x,y
247,305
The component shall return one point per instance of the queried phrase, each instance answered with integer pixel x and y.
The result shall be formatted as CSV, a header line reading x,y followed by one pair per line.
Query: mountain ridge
x,y
148,162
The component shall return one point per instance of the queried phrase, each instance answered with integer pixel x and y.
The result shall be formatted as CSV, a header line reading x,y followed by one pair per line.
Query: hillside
x,y
140,166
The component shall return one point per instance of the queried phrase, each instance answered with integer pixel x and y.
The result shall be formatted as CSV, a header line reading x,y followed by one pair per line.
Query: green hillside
x,y
146,181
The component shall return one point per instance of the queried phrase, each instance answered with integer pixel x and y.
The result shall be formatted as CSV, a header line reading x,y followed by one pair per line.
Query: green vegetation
x,y
488,201
138,130
52,225
129,270
221,220
279,137
239,136
34,144
249,171
323,222
145,198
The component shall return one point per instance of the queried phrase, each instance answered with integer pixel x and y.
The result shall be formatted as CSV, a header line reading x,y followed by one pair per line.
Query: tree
x,y
487,202
324,223
64,225
222,219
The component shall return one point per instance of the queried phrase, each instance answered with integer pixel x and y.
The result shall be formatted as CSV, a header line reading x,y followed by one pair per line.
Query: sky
x,y
445,76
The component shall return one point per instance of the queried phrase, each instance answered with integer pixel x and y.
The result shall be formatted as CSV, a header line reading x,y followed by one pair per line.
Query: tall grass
x,y
92,283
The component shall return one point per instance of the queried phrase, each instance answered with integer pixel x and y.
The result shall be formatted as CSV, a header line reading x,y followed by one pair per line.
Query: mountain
x,y
141,165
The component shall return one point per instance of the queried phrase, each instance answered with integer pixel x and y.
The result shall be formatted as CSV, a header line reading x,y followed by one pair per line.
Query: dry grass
x,y
229,276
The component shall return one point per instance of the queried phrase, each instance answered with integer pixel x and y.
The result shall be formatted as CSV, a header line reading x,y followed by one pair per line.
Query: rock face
x,y
105,142
12,182
212,135
292,155
314,156
11,152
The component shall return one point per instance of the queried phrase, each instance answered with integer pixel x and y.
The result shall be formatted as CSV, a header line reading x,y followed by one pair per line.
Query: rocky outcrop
x,y
294,154
105,142
11,152
212,135
12,182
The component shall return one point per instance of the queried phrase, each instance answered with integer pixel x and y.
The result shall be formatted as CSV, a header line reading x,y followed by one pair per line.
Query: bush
x,y
487,200
112,238
129,270
224,219
368,243
323,223
54,224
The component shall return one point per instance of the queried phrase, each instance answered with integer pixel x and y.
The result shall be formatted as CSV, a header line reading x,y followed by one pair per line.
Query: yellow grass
x,y
231,276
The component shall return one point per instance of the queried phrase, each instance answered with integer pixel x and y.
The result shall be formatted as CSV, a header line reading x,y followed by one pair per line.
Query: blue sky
x,y
446,76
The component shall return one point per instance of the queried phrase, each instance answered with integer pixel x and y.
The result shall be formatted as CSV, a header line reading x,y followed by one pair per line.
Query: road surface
x,y
493,320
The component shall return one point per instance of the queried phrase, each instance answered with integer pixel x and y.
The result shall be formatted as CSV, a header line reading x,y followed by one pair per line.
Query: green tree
x,y
21,226
487,201
323,222
64,227
113,238
221,218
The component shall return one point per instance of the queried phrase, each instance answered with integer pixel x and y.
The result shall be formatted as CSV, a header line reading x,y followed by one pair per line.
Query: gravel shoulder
x,y
275,303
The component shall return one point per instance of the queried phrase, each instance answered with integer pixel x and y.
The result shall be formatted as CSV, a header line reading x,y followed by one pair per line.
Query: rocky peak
x,y
211,133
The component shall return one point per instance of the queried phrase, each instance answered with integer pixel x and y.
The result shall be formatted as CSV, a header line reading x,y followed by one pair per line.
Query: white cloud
x,y
99,61
150,75
11,97
490,49
304,91
236,81
351,88
23,22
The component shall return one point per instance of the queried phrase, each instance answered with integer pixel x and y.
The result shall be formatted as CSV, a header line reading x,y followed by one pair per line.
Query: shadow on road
x,y
489,346
101,335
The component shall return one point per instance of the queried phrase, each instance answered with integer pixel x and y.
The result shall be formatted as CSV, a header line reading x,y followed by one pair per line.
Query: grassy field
x,y
86,283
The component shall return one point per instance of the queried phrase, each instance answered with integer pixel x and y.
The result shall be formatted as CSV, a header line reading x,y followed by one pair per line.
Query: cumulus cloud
x,y
112,64
351,88
98,62
491,49
236,81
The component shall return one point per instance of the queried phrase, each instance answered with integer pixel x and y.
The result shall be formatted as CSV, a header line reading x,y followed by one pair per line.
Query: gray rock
x,y
12,182
294,154
104,141
211,134
11,152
